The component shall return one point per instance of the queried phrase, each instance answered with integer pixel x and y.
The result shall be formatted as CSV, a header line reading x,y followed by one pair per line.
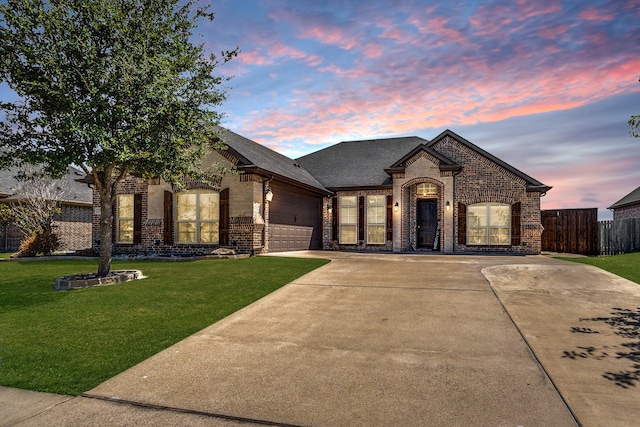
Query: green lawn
x,y
626,265
68,342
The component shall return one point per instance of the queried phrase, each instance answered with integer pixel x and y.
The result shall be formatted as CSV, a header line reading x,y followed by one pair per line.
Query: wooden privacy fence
x,y
570,231
619,236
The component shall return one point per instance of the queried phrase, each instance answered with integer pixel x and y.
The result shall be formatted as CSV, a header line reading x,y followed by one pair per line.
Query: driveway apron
x,y
365,340
583,324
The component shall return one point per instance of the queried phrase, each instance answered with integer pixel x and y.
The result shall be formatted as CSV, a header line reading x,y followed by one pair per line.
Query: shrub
x,y
44,242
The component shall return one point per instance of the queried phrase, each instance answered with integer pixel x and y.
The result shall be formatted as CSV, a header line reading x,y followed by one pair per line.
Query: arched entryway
x,y
422,220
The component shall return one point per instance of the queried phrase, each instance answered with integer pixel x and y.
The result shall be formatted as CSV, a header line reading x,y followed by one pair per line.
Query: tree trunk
x,y
106,229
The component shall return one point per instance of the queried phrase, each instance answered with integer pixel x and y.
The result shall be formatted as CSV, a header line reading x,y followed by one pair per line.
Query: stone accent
x,y
79,281
409,213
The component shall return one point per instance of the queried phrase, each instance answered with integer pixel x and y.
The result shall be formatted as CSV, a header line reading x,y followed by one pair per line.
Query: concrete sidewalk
x,y
383,340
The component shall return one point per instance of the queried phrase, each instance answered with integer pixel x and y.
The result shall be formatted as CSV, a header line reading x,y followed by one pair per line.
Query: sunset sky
x,y
547,86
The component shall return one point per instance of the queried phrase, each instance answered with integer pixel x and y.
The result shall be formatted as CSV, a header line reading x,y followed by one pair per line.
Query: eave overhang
x,y
268,174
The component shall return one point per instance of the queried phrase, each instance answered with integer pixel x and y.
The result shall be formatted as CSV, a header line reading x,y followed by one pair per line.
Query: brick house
x,y
410,194
272,204
628,206
72,224
394,195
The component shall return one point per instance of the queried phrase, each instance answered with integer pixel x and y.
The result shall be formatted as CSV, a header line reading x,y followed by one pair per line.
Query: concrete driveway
x,y
388,340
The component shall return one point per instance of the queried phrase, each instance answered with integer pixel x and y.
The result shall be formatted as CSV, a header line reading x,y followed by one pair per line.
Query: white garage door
x,y
289,237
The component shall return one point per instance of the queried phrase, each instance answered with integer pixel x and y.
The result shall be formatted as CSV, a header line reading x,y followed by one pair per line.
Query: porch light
x,y
268,195
396,207
330,208
448,206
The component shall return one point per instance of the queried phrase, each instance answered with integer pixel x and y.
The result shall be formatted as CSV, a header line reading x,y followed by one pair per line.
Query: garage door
x,y
289,237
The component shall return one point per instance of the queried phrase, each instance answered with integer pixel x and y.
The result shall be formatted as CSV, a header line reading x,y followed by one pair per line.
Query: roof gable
x,y
253,156
443,162
532,184
632,198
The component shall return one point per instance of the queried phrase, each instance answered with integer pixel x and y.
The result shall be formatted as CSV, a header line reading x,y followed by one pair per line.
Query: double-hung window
x,y
125,218
488,224
348,219
197,216
376,219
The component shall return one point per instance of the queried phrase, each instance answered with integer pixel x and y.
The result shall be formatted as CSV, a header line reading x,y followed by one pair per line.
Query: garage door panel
x,y
289,238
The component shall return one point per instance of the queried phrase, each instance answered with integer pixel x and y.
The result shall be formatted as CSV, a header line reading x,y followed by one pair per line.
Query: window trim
x,y
488,227
382,204
119,218
342,205
197,220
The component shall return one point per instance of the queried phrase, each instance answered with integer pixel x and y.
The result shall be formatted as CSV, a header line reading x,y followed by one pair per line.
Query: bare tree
x,y
35,203
6,218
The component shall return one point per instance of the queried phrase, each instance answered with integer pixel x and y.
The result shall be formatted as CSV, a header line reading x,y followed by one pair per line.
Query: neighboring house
x,y
72,224
395,195
628,206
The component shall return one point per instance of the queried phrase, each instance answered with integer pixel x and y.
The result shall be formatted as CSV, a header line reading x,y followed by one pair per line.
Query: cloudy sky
x,y
548,86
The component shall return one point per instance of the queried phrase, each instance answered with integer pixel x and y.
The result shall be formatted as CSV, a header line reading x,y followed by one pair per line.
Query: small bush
x,y
41,242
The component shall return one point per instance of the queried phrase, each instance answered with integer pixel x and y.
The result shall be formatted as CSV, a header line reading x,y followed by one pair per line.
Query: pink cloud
x,y
594,14
330,35
437,27
528,9
376,109
276,52
253,58
553,32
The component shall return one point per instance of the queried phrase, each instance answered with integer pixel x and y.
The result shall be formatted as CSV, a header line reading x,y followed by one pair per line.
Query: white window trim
x,y
488,227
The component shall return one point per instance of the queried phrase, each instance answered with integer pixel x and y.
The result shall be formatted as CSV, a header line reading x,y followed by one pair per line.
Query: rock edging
x,y
79,281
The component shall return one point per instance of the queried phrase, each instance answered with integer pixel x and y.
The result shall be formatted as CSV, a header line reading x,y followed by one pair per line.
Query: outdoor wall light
x,y
396,207
329,208
268,195
448,206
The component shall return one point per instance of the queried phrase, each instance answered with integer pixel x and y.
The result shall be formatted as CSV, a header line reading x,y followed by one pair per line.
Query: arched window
x,y
488,224
197,216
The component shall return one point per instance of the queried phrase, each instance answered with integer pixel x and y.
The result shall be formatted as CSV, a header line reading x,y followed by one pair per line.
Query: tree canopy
x,y
113,86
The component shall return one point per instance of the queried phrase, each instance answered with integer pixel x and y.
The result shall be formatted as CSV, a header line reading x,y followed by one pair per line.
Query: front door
x,y
427,223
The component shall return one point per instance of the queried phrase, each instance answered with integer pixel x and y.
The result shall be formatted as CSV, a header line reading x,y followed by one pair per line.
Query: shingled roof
x,y
632,198
75,192
252,156
358,163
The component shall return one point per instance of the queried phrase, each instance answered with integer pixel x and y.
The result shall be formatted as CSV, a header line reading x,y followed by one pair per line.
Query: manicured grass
x,y
5,254
68,342
626,265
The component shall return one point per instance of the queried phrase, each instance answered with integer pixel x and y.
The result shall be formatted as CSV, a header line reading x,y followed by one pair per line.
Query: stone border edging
x,y
80,281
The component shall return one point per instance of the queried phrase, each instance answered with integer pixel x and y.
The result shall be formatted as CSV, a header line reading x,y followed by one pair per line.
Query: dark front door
x,y
427,223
